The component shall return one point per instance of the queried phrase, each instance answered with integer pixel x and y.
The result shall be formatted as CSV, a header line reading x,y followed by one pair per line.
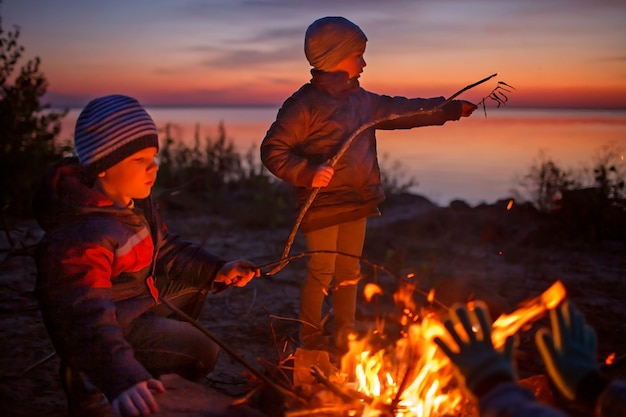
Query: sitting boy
x,y
107,259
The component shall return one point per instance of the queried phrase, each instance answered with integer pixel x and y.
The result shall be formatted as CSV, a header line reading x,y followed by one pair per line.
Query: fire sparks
x,y
413,378
431,296
370,291
610,359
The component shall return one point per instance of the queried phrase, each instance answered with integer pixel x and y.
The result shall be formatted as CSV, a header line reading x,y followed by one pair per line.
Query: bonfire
x,y
408,377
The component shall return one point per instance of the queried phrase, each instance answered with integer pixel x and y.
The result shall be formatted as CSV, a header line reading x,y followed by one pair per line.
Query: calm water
x,y
476,159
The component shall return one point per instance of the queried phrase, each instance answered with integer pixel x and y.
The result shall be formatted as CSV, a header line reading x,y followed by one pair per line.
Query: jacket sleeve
x,y
74,293
510,399
420,111
177,259
279,147
182,261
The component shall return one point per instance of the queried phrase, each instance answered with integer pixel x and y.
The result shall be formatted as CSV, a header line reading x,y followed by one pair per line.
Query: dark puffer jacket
x,y
96,269
312,125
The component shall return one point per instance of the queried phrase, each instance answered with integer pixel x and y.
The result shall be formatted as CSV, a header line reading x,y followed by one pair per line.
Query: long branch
x,y
363,259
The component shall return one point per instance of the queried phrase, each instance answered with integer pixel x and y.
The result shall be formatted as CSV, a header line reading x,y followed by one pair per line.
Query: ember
x,y
412,377
609,359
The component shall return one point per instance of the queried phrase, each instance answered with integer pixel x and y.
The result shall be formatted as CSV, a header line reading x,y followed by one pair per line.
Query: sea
x,y
480,159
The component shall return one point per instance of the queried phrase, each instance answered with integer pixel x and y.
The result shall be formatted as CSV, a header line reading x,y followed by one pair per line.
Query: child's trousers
x,y
324,268
167,345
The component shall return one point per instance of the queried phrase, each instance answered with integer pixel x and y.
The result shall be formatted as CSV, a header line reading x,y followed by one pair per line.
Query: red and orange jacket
x,y
313,124
97,266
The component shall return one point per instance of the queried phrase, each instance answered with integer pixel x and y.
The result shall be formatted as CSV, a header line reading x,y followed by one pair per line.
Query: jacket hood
x,y
65,193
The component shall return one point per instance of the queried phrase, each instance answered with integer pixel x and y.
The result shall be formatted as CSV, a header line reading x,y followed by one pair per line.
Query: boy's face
x,y
131,178
353,64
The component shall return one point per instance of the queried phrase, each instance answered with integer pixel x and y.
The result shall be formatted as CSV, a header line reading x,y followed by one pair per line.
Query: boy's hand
x,y
238,273
467,108
138,400
323,175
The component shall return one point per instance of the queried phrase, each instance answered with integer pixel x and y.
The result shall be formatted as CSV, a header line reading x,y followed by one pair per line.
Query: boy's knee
x,y
202,363
212,351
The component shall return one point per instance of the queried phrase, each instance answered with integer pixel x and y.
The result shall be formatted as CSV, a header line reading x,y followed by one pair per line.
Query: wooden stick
x,y
363,259
345,147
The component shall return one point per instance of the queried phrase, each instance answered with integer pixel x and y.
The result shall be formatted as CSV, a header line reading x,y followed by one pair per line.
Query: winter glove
x,y
479,363
569,352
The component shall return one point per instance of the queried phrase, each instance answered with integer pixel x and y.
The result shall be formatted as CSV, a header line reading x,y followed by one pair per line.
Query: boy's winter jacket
x,y
311,127
97,266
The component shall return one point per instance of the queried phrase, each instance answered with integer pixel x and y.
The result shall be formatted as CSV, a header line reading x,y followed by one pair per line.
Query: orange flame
x,y
414,378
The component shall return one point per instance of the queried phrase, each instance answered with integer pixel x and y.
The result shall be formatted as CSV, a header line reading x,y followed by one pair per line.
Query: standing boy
x,y
309,129
106,260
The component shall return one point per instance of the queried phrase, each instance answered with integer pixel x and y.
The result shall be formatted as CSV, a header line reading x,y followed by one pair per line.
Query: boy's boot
x,y
83,399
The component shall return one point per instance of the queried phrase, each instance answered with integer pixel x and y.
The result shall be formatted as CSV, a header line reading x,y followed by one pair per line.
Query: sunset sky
x,y
556,53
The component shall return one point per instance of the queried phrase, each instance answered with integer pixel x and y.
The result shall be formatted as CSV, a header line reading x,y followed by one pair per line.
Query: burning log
x,y
509,324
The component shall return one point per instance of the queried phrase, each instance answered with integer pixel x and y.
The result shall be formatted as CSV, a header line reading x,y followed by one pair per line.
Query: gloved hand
x,y
569,352
477,360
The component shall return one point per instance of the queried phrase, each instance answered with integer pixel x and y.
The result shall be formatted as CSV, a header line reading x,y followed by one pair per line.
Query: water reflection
x,y
476,159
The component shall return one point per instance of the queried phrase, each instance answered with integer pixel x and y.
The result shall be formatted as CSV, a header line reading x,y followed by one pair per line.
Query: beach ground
x,y
487,252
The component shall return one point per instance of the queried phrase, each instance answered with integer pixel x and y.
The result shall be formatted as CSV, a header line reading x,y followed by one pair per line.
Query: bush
x,y
212,177
609,174
545,182
27,128
592,208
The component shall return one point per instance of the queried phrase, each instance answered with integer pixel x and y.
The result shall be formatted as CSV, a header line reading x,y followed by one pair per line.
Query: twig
x,y
309,253
497,95
344,148
245,399
467,87
401,388
346,396
375,265
273,316
277,369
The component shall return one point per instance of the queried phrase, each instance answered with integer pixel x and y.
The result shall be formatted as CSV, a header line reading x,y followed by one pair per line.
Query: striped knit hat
x,y
110,129
329,40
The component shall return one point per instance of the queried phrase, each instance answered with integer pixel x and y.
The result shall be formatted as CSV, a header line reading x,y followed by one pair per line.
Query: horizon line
x,y
51,106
